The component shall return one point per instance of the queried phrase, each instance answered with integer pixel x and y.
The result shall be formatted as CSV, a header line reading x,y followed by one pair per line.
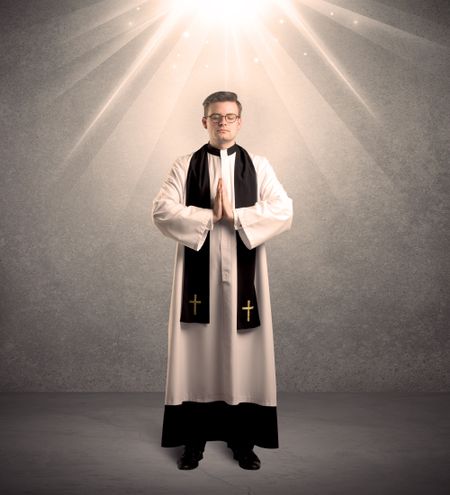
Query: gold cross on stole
x,y
195,301
248,309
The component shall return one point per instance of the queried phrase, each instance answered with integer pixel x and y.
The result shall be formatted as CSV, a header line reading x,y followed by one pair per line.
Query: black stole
x,y
196,279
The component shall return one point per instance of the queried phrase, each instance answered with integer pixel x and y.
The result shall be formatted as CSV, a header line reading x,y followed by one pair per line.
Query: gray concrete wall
x,y
359,285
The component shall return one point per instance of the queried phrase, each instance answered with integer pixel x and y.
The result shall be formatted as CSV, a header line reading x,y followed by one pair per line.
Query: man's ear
x,y
204,122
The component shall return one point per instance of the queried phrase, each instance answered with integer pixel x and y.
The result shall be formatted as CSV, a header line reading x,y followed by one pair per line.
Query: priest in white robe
x,y
221,204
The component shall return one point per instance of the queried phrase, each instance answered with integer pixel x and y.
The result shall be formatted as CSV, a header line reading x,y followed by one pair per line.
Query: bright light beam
x,y
338,154
421,50
120,163
109,50
237,12
144,55
302,26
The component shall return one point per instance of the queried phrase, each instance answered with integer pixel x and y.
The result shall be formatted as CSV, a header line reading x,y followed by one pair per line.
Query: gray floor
x,y
330,443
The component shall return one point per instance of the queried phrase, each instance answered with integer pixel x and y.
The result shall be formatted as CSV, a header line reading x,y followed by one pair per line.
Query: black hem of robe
x,y
193,422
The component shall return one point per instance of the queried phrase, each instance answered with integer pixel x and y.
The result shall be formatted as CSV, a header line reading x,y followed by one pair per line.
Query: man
x,y
221,204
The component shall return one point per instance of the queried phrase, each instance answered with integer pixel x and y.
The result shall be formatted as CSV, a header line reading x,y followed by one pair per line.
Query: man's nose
x,y
223,119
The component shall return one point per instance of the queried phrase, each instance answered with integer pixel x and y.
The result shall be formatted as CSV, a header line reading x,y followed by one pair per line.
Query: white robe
x,y
215,361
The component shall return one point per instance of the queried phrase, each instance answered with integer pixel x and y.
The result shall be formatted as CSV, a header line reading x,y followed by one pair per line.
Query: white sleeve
x,y
188,225
270,215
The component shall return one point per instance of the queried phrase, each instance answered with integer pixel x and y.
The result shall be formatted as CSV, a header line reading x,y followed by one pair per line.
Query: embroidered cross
x,y
248,309
195,301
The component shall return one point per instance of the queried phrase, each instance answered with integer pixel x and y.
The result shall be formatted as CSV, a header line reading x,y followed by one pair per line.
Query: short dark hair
x,y
221,96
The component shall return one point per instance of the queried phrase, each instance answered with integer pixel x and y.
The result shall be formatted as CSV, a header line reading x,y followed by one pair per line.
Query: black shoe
x,y
247,459
190,458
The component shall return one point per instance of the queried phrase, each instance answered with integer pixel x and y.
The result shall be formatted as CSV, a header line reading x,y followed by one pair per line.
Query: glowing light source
x,y
213,11
200,20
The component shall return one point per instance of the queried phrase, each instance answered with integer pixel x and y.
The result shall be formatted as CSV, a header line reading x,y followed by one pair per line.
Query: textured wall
x,y
357,128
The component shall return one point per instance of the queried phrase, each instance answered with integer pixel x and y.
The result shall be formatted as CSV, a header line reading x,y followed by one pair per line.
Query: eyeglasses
x,y
229,117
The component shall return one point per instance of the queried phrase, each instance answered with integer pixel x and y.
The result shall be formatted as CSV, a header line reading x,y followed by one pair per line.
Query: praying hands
x,y
222,206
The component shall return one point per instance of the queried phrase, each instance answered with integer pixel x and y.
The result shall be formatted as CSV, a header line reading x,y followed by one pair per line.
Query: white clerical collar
x,y
217,152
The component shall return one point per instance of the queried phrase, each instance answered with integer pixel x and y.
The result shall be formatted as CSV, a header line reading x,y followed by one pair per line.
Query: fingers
x,y
224,193
217,208
219,193
222,206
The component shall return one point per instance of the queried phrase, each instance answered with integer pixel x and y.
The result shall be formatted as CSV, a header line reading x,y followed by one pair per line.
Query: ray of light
x,y
95,16
340,157
110,49
88,42
237,52
74,23
303,27
285,76
236,12
122,159
351,19
411,47
59,66
226,65
63,78
149,49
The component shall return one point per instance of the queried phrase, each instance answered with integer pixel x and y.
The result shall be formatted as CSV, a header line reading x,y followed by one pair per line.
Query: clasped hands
x,y
222,206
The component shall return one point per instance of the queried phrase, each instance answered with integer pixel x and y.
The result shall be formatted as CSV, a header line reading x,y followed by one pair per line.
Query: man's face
x,y
222,134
